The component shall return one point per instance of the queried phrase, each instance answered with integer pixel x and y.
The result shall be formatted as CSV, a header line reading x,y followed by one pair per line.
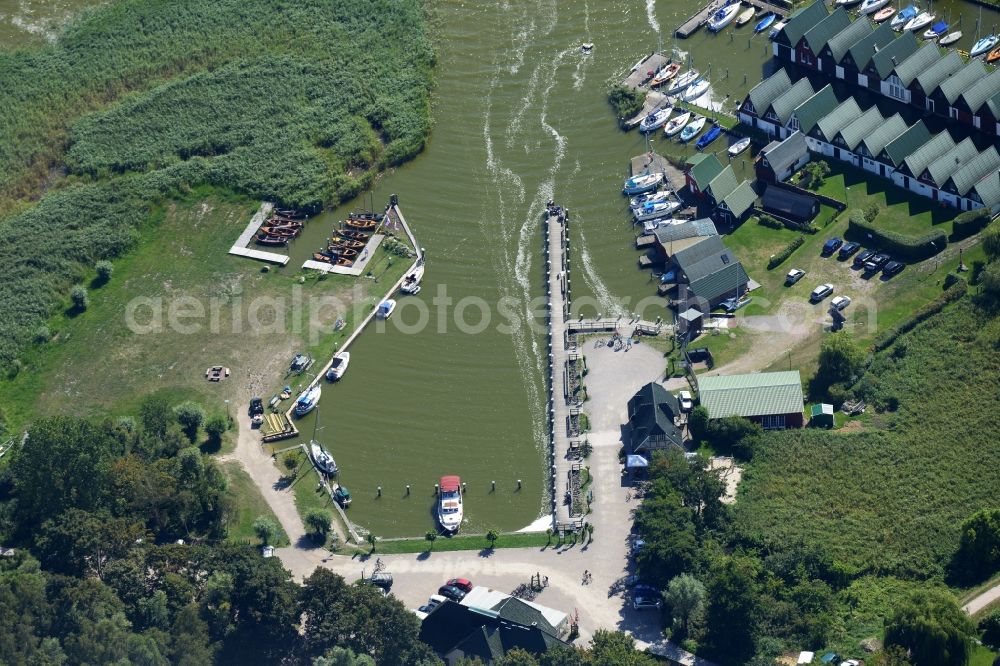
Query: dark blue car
x,y
831,246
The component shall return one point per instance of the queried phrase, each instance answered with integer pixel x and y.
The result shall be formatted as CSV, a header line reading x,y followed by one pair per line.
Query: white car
x,y
687,402
821,292
794,276
840,302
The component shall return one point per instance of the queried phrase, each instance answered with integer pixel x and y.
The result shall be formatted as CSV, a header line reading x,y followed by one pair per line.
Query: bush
x,y
990,627
78,296
970,222
769,222
190,415
104,271
814,173
42,335
907,248
626,102
779,258
214,428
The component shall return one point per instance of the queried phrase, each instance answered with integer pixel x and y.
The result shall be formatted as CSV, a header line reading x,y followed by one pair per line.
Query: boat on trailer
x,y
450,510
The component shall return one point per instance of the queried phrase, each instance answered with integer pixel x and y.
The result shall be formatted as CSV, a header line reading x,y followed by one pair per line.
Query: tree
x,y
667,527
733,599
685,595
104,271
156,416
990,628
372,540
492,535
341,656
891,656
841,360
815,173
190,415
215,427
979,546
991,241
291,463
614,648
78,297
319,523
931,626
698,423
430,536
517,657
265,529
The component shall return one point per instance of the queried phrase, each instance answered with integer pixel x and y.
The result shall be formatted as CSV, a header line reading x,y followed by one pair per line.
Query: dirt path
x,y
982,600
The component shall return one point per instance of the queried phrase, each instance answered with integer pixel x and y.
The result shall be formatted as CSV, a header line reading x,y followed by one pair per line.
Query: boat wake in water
x,y
651,15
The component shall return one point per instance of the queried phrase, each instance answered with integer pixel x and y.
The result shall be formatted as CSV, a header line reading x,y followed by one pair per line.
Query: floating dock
x,y
240,248
357,268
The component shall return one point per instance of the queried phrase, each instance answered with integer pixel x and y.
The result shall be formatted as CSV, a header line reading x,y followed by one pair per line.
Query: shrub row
x,y
907,248
777,259
970,222
958,288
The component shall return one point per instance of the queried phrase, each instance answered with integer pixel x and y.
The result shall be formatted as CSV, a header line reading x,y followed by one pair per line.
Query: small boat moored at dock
x,y
951,38
883,14
871,6
450,511
683,81
846,3
361,223
709,136
745,17
765,23
696,90
983,45
723,17
385,308
903,17
653,197
339,366
778,27
936,30
411,283
677,124
642,183
739,146
323,460
652,211
306,402
655,120
993,55
920,21
692,129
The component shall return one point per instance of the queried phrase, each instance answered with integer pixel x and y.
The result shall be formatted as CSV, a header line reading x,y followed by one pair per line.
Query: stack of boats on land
x,y
281,226
347,241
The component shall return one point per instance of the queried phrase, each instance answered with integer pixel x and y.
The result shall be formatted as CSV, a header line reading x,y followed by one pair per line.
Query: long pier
x,y
240,248
700,18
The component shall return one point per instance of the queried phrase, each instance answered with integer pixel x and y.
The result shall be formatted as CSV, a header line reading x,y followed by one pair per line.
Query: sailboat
x,y
692,130
677,124
308,400
983,45
696,90
683,81
951,38
723,17
655,120
903,17
320,457
921,20
871,6
883,14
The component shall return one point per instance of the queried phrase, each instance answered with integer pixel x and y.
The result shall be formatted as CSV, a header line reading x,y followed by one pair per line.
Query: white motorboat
x,y
872,6
651,211
411,283
385,308
449,508
339,366
655,120
745,17
683,81
643,183
306,402
323,460
903,17
846,3
649,226
696,90
983,45
739,146
692,129
723,17
677,124
922,20
652,197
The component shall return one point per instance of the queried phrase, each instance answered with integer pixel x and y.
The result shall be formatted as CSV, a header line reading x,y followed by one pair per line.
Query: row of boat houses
x,y
896,66
807,121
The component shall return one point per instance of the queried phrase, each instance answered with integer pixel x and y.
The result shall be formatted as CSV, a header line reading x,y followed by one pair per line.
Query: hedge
x,y
952,293
777,259
969,223
906,248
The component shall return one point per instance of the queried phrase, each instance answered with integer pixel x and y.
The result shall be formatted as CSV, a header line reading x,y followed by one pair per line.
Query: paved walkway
x,y
980,602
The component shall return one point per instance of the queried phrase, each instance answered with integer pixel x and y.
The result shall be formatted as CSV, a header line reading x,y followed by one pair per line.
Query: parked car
x,y
821,292
860,259
848,249
794,276
451,592
637,545
687,402
892,268
875,264
840,302
645,597
463,584
432,603
831,246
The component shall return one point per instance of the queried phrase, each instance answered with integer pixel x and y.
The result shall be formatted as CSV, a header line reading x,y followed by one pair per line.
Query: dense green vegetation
x,y
143,99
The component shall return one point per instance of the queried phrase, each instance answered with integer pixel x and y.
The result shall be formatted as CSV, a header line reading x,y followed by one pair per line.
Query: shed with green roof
x,y
885,61
772,399
904,145
816,107
839,44
820,34
860,54
703,172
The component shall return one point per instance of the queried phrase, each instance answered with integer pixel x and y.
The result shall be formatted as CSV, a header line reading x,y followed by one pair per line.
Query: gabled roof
x,y
721,282
723,184
651,413
937,71
964,79
820,34
787,203
988,189
975,170
993,104
741,199
768,90
814,108
801,22
880,137
695,159
758,394
690,229
689,259
907,143
894,53
942,168
849,36
981,91
918,63
786,153
922,157
704,171
784,105
861,127
865,49
846,113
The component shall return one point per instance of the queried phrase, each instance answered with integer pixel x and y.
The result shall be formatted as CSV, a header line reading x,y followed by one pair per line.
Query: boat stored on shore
x,y
306,402
339,366
450,511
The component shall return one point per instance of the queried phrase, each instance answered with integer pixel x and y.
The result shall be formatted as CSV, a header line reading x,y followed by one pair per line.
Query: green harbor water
x,y
520,118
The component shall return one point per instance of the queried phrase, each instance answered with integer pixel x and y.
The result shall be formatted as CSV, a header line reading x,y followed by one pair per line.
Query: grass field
x,y
465,542
248,504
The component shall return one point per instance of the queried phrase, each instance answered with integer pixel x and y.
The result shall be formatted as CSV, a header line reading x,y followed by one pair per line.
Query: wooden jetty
x,y
240,248
654,100
700,18
655,163
643,70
